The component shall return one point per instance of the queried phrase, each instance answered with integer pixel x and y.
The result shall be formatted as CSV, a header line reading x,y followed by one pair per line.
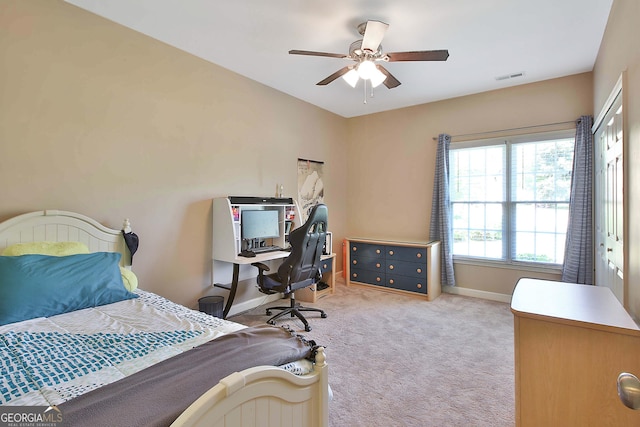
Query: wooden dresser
x,y
407,267
571,343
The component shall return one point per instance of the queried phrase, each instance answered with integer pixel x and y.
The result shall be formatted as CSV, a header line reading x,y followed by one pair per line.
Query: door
x,y
609,200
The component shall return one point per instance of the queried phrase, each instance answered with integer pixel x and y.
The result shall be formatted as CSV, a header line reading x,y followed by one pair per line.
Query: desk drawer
x,y
326,265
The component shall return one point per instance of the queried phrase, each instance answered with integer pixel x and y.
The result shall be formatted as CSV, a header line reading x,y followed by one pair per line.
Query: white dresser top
x,y
590,306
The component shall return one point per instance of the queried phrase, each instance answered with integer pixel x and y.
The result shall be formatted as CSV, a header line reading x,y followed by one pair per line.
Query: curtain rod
x,y
435,138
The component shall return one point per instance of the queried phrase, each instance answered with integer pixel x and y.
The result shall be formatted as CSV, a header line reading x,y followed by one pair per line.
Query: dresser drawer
x,y
367,276
365,263
406,253
367,250
405,283
404,268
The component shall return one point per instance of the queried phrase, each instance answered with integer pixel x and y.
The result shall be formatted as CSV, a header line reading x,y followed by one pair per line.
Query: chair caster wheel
x,y
268,312
271,322
307,328
323,315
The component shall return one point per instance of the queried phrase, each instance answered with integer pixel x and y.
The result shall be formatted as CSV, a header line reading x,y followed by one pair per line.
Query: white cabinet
x,y
571,343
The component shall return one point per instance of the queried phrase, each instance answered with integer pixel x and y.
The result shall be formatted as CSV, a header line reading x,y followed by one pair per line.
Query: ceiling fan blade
x,y
373,35
390,82
341,72
419,55
311,53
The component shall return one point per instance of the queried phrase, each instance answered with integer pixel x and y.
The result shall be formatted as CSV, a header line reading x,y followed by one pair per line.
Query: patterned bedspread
x,y
47,361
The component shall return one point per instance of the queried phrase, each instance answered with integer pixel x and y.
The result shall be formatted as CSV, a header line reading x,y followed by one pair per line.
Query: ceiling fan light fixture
x,y
377,78
366,69
367,54
351,78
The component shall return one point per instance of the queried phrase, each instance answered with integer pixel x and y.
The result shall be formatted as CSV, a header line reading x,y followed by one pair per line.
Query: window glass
x,y
477,195
516,213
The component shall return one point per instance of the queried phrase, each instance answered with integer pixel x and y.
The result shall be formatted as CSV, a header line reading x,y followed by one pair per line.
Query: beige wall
x,y
620,52
101,120
391,160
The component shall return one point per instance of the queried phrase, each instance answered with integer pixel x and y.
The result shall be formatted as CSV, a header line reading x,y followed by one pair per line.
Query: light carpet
x,y
397,360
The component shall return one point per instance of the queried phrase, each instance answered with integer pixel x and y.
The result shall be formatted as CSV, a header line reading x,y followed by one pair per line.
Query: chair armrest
x,y
261,267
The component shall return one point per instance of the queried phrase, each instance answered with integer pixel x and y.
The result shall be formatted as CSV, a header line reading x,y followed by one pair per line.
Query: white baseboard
x,y
240,307
467,292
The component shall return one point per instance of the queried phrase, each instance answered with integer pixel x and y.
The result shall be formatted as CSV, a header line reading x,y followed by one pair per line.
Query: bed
x,y
113,353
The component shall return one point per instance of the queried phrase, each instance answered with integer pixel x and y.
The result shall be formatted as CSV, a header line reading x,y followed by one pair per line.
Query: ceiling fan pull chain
x,y
364,86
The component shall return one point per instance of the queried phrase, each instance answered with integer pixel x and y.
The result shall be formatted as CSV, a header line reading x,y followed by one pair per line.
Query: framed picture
x,y
310,186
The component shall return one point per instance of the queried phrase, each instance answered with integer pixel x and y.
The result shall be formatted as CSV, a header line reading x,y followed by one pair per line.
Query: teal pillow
x,y
41,285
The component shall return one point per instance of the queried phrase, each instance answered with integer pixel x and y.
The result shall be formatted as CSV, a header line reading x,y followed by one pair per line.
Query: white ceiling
x,y
486,39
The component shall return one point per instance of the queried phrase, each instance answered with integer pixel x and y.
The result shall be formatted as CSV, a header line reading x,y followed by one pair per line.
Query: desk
x,y
237,262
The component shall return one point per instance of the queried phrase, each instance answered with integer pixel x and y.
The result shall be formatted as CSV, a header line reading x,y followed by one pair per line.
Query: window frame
x,y
508,203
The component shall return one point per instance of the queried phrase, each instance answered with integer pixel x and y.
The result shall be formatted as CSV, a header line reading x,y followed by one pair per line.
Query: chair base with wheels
x,y
294,309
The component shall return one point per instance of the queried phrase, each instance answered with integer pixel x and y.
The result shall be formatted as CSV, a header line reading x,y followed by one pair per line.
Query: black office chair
x,y
300,269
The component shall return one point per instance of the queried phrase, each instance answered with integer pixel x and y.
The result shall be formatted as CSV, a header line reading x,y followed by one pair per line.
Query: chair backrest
x,y
306,248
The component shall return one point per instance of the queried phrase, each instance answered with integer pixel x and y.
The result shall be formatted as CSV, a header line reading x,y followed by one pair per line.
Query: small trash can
x,y
212,305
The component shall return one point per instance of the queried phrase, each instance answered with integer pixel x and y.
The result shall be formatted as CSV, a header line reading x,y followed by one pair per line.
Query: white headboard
x,y
62,226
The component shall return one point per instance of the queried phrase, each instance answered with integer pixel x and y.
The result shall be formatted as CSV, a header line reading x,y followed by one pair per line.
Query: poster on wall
x,y
310,186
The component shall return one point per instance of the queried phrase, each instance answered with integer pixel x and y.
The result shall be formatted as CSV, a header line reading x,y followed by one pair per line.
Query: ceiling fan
x,y
367,53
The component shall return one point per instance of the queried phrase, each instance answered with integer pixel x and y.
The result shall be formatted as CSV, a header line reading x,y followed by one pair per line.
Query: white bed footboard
x,y
264,396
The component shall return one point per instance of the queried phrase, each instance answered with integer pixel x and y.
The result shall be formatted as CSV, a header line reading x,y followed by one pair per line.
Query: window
x,y
510,197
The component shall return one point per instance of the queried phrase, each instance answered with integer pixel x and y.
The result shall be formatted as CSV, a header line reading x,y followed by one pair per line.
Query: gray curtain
x,y
440,227
578,253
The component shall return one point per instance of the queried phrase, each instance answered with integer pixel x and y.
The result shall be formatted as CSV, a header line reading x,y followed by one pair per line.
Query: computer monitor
x,y
259,224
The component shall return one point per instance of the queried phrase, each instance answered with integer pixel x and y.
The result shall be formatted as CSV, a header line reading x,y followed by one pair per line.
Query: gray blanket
x,y
156,396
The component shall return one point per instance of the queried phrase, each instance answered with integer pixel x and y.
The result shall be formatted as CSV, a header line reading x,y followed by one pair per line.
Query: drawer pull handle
x,y
355,248
355,275
377,251
378,279
354,262
419,285
378,264
419,255
391,267
390,252
391,281
419,270
324,266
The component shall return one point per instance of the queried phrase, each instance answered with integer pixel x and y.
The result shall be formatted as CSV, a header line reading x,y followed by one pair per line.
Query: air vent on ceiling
x,y
510,76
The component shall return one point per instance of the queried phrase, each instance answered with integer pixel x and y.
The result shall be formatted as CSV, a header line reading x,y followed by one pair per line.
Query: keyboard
x,y
265,249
